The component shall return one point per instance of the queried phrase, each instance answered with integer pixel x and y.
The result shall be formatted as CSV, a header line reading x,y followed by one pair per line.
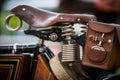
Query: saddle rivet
x,y
91,20
23,9
109,41
61,18
78,19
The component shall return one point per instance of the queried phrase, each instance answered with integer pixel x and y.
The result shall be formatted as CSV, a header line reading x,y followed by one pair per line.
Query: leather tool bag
x,y
102,46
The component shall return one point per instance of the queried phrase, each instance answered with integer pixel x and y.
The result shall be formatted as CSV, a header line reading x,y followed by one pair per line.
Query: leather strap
x,y
61,71
118,32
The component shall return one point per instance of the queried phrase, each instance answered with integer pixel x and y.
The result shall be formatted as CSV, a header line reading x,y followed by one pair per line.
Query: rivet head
x,y
92,20
61,18
40,49
109,41
78,19
23,9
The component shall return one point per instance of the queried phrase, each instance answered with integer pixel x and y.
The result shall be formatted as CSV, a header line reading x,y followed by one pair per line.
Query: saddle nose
x,y
33,16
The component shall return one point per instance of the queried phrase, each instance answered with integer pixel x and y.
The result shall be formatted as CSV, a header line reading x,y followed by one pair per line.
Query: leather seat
x,y
42,18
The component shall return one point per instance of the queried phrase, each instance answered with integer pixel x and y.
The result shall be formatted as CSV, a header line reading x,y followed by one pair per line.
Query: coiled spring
x,y
70,52
69,49
67,31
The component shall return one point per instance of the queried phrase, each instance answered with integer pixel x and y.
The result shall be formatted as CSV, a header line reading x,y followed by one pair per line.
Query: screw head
x,y
53,36
109,41
61,18
78,19
23,9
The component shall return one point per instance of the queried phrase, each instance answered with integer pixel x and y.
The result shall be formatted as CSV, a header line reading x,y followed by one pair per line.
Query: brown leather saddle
x,y
42,18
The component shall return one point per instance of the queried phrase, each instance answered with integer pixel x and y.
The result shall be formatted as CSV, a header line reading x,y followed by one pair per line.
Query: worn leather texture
x,y
43,18
101,46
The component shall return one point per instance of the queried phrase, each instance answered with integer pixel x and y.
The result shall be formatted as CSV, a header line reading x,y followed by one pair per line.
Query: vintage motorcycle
x,y
44,65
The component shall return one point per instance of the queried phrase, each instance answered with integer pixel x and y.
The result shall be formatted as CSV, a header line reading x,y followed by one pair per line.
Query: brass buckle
x,y
99,46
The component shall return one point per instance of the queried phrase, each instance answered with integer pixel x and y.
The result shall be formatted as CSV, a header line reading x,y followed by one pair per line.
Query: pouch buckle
x,y
99,46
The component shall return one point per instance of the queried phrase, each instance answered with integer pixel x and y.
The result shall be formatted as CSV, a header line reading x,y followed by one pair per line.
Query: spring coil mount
x,y
69,53
67,30
70,49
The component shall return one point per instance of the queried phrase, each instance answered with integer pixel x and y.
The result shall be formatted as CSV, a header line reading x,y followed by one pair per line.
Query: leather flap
x,y
100,27
118,31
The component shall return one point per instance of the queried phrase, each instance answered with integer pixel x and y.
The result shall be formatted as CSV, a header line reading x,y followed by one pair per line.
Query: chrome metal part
x,y
69,49
20,23
7,22
70,52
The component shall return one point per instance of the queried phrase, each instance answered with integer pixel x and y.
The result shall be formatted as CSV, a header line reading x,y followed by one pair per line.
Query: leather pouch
x,y
101,46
